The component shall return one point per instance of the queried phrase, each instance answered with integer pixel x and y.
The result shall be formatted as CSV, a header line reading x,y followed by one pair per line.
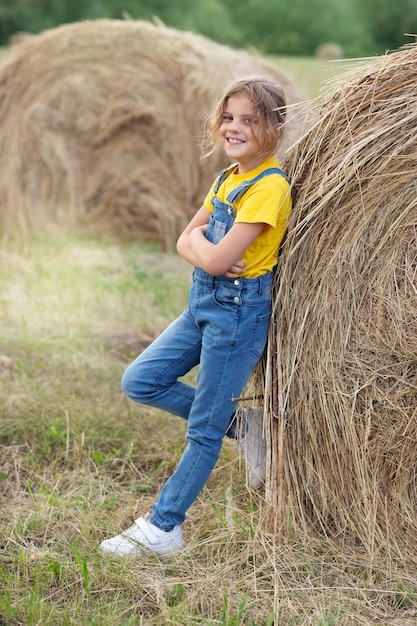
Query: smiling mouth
x,y
234,141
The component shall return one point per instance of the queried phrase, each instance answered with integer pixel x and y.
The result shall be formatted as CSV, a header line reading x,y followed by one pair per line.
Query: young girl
x,y
232,242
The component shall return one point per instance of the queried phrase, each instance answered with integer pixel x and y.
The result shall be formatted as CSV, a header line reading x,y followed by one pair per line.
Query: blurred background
x,y
299,27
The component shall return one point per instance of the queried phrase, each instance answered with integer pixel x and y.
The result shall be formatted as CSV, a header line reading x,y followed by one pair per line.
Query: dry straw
x,y
340,376
101,126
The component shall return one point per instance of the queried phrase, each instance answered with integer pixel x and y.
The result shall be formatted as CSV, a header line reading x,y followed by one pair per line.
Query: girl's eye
x,y
247,120
227,118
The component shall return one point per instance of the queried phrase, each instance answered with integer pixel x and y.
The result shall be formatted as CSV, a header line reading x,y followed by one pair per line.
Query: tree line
x,y
360,27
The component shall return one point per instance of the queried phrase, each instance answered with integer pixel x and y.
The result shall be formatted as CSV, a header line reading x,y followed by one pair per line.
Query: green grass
x,y
314,77
79,461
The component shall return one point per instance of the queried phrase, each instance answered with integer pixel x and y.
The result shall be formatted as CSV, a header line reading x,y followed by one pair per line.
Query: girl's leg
x,y
153,377
232,345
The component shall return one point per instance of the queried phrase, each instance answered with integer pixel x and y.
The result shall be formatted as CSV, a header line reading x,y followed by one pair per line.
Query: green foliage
x,y
299,27
388,21
273,26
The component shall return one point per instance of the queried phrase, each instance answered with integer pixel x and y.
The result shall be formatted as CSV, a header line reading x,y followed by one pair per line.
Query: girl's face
x,y
240,133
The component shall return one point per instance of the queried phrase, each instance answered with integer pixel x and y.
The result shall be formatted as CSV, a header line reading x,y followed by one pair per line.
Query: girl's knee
x,y
126,383
132,386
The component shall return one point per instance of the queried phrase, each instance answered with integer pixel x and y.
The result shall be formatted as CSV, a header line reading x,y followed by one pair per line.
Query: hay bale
x,y
101,125
340,378
19,37
329,51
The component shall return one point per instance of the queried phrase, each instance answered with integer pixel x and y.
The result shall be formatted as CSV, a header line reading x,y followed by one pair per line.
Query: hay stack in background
x,y
101,124
341,373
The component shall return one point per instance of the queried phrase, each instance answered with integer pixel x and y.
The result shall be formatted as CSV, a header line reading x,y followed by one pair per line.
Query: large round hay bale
x,y
341,372
101,125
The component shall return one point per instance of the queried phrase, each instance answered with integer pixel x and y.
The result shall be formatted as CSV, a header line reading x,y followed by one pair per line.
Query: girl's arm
x,y
223,258
201,218
218,259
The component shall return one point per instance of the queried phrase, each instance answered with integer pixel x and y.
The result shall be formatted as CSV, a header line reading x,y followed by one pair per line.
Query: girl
x,y
232,242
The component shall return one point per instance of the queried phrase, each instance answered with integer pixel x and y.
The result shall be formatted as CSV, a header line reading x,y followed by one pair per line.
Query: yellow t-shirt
x,y
268,201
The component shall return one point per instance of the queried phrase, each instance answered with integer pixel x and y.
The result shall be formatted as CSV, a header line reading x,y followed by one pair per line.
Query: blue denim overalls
x,y
224,330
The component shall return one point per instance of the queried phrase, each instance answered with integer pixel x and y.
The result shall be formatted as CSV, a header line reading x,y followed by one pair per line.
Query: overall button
x,y
236,299
230,211
236,282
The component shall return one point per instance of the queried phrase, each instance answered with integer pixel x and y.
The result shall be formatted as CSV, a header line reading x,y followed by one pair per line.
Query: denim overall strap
x,y
239,191
222,176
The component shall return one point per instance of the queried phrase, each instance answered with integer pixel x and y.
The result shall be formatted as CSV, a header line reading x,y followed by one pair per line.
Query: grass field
x,y
79,462
314,77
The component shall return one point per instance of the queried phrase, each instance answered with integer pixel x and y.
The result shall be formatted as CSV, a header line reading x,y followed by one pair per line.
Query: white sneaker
x,y
251,443
142,536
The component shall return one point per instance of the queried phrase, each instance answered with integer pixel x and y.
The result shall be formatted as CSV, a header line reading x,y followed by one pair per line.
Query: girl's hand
x,y
199,230
236,270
